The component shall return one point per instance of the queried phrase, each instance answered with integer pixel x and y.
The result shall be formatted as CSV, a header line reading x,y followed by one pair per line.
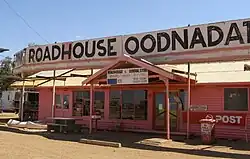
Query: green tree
x,y
6,73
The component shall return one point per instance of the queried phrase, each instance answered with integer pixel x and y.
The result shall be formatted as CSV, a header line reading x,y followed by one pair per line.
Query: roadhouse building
x,y
163,81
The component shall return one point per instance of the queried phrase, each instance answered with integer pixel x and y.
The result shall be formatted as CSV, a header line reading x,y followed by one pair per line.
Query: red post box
x,y
207,129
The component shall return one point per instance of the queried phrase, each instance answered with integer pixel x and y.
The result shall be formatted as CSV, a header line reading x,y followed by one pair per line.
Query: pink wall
x,y
212,96
45,103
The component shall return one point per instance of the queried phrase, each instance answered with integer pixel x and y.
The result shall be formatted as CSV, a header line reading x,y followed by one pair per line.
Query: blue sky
x,y
67,20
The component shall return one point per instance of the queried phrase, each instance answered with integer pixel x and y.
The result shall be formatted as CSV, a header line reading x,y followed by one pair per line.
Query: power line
x,y
17,14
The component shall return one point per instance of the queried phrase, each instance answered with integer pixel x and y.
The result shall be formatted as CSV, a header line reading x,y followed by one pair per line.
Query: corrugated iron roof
x,y
219,72
206,73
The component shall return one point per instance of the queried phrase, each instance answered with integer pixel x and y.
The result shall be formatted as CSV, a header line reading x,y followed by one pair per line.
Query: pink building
x,y
221,89
139,82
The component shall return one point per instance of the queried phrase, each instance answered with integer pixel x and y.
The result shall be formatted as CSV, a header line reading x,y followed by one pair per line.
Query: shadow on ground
x,y
131,140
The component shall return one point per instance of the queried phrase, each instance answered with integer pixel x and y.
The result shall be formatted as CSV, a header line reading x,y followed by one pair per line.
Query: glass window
x,y
128,104
183,99
128,107
86,103
99,101
236,99
81,103
141,104
114,105
62,101
58,101
65,101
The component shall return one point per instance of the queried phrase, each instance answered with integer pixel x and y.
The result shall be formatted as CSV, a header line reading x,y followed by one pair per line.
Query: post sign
x,y
198,43
127,76
222,118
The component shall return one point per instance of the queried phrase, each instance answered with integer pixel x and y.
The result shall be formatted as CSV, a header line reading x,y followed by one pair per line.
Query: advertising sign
x,y
232,119
198,43
127,76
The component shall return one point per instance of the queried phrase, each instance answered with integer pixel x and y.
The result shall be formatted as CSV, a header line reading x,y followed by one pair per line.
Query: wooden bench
x,y
63,128
56,127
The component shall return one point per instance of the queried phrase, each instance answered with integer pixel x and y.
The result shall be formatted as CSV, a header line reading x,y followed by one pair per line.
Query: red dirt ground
x,y
16,145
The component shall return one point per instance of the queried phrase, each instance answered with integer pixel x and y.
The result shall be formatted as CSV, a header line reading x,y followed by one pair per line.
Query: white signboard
x,y
127,76
226,41
198,107
73,51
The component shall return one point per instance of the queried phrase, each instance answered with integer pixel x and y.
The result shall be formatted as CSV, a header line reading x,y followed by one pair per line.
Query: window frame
x,y
104,93
84,99
134,104
247,98
61,105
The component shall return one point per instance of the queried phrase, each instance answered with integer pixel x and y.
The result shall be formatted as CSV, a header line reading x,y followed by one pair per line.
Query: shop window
x,y
99,101
141,104
62,101
81,103
183,99
58,101
128,104
114,105
128,107
236,99
65,101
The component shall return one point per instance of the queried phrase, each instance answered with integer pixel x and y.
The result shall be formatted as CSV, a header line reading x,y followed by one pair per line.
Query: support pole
x,y
188,102
22,99
53,94
167,108
91,107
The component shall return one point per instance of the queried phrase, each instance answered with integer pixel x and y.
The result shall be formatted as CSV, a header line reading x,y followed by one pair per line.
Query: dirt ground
x,y
18,145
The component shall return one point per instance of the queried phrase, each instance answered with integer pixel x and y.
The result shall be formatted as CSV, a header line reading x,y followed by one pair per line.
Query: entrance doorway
x,y
63,104
160,111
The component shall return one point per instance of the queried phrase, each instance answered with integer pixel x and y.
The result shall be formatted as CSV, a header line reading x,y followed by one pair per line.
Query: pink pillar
x,y
91,107
188,102
167,108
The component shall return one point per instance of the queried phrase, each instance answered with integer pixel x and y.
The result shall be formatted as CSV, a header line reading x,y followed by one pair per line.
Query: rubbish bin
x,y
207,129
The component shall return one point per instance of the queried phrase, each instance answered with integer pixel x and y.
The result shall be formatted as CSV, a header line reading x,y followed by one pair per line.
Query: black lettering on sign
x,y
159,41
111,52
66,52
56,52
143,40
230,36
210,30
46,54
247,24
132,39
197,38
92,53
79,54
39,54
100,47
183,42
31,55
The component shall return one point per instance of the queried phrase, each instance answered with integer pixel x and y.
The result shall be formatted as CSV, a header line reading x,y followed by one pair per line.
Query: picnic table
x,y
61,124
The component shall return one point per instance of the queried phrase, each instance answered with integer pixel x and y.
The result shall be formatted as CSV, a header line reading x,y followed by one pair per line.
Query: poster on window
x,y
127,76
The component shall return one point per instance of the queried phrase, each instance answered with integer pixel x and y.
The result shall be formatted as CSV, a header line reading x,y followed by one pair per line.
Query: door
x,y
173,105
160,111
63,104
